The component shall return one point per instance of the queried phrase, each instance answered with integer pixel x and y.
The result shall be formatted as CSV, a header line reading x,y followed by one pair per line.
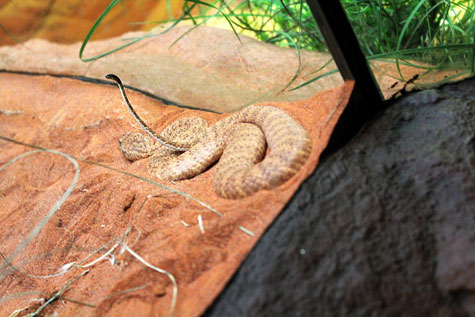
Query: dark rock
x,y
385,226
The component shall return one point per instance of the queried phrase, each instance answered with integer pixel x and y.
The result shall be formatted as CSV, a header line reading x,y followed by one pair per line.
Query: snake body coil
x,y
238,141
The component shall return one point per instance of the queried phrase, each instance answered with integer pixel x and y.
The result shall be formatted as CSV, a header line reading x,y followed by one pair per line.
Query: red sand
x,y
85,121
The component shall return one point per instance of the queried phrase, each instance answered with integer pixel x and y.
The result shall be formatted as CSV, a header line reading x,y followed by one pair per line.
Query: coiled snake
x,y
188,147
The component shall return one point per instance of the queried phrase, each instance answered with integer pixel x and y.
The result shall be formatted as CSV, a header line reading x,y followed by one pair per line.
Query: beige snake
x,y
238,141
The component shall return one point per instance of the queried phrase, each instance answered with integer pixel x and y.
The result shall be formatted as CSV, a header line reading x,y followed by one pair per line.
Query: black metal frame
x,y
366,99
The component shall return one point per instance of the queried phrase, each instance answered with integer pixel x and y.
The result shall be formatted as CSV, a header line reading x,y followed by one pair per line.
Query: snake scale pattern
x,y
238,141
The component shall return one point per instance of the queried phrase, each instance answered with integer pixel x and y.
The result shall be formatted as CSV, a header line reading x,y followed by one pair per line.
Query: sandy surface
x,y
85,120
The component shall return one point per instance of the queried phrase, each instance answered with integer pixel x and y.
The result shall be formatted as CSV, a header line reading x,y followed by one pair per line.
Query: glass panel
x,y
270,50
193,203
415,43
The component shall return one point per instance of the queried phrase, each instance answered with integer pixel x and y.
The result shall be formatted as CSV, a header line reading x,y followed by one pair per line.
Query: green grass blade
x,y
315,79
93,29
10,34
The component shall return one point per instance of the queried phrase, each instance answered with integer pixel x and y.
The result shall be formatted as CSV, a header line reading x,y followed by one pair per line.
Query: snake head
x,y
114,78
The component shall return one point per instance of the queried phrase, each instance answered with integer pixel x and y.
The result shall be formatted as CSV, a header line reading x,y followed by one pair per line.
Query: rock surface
x,y
384,227
209,68
204,67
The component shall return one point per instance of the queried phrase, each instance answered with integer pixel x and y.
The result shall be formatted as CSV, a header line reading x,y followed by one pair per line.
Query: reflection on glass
x,y
415,43
270,50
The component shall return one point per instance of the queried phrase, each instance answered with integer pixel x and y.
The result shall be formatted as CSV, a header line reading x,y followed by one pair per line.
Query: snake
x,y
257,148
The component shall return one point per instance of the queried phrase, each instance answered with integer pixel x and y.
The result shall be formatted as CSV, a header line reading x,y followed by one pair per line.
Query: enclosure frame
x,y
366,98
